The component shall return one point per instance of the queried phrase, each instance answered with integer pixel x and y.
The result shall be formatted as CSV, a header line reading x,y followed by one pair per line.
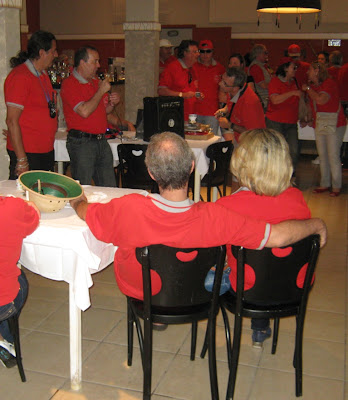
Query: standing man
x,y
208,73
259,70
244,111
179,78
31,107
294,51
165,54
86,104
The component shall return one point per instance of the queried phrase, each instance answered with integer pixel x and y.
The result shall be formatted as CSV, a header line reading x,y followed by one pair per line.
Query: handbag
x,y
326,122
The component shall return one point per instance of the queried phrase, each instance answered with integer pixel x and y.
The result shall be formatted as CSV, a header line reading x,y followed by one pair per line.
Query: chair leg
x,y
205,344
193,340
208,193
14,329
298,356
211,331
235,356
147,359
130,331
275,335
219,190
227,335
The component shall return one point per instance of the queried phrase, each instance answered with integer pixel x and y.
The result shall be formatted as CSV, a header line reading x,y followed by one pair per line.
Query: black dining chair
x,y
182,299
219,155
14,329
275,294
132,167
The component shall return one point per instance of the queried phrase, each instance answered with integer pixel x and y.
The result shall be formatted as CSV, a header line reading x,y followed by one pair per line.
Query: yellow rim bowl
x,y
56,189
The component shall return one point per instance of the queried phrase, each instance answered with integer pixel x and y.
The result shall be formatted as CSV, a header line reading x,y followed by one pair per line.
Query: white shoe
x,y
8,346
316,161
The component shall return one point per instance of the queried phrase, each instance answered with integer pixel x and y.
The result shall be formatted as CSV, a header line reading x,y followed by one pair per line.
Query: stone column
x,y
142,31
9,46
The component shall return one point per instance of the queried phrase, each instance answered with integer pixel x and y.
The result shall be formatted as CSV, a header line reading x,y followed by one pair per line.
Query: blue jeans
x,y
91,159
289,131
225,282
14,307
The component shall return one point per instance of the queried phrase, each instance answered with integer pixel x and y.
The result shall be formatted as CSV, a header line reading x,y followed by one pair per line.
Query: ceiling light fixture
x,y
297,7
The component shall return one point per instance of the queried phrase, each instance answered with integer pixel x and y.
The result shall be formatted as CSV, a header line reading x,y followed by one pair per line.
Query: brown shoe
x,y
335,193
321,190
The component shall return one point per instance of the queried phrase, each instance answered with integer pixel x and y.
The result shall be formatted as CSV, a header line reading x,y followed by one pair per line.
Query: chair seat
x,y
174,315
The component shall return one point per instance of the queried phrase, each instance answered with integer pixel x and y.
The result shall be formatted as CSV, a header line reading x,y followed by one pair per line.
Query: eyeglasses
x,y
205,51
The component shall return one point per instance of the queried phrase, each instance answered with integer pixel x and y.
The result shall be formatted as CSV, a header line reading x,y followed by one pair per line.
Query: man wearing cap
x,y
179,79
294,51
208,72
165,54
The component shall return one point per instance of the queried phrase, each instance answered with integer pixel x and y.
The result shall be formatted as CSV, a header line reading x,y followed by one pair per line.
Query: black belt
x,y
80,134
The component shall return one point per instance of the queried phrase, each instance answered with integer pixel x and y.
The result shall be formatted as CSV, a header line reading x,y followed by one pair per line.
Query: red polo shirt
x,y
179,78
75,91
24,90
208,83
287,111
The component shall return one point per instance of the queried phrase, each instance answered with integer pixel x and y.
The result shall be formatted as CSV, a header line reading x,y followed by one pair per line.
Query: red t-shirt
x,y
178,78
208,83
136,221
167,62
333,72
287,111
301,73
23,90
330,87
247,112
18,220
75,92
343,82
288,205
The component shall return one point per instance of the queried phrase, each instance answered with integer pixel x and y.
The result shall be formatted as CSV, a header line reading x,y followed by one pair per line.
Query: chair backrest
x,y
182,273
219,155
276,271
134,173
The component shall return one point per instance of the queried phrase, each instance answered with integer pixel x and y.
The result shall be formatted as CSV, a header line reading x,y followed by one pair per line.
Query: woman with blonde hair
x,y
263,168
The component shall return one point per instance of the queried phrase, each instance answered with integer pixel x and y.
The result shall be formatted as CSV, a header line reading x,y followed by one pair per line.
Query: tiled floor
x,y
45,342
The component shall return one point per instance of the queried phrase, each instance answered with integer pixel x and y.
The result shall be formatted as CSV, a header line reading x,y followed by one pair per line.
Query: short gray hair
x,y
238,74
257,50
169,159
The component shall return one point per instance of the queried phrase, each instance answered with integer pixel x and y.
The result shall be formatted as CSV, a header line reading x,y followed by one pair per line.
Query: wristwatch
x,y
180,94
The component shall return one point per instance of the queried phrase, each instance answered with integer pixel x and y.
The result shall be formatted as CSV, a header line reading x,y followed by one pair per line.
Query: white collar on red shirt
x,y
32,69
170,206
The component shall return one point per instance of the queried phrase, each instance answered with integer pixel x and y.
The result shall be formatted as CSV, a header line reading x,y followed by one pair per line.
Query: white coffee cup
x,y
192,118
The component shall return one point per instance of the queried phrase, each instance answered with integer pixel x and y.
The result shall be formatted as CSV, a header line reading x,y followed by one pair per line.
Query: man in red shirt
x,y
165,54
31,107
179,78
170,218
208,73
86,105
244,111
294,51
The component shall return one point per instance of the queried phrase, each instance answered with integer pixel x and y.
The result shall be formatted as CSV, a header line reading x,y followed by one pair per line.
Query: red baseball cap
x,y
206,44
294,50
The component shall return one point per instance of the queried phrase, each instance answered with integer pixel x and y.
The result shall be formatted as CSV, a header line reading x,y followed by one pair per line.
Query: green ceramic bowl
x,y
48,190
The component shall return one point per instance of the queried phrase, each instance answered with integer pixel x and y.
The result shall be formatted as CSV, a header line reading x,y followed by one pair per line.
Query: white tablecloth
x,y
63,248
198,147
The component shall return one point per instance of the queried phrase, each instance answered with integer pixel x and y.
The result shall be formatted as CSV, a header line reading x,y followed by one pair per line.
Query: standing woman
x,y
31,107
282,111
324,96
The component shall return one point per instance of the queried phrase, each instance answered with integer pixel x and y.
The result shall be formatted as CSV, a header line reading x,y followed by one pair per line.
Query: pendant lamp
x,y
297,7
